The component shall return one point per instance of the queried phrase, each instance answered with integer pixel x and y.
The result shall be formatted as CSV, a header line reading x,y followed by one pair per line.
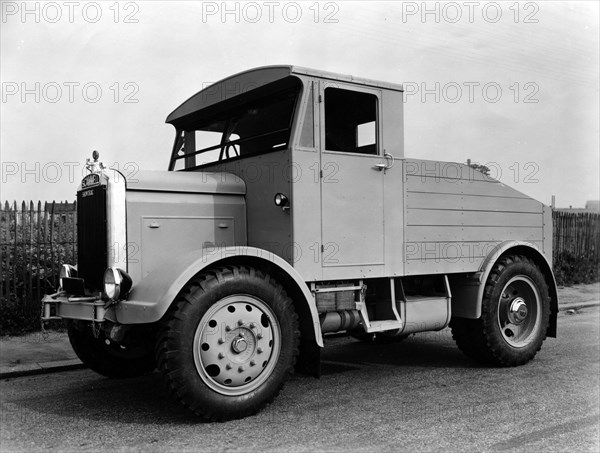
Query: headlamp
x,y
117,283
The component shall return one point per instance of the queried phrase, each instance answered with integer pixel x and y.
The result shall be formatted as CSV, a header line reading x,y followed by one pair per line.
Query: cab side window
x,y
350,121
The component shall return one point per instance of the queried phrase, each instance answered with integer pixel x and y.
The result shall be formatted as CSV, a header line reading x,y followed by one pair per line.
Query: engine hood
x,y
188,182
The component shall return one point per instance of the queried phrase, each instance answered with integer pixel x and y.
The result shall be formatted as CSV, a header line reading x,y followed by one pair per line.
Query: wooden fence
x,y
34,242
576,234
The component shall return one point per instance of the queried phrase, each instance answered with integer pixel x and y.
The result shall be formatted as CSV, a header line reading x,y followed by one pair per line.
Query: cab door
x,y
353,166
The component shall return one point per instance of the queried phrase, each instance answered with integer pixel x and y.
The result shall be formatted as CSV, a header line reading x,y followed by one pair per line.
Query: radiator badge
x,y
90,181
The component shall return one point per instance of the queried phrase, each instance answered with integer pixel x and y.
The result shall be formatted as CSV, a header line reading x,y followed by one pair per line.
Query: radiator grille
x,y
92,236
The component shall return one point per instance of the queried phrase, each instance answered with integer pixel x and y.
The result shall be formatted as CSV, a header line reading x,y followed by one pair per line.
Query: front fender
x,y
151,298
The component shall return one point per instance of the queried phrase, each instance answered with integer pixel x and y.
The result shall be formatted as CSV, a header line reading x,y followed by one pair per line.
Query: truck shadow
x,y
145,400
434,349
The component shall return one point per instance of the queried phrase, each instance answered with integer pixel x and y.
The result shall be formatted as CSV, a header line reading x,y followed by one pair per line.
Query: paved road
x,y
420,395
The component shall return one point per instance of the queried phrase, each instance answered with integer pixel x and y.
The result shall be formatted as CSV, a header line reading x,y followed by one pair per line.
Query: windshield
x,y
251,128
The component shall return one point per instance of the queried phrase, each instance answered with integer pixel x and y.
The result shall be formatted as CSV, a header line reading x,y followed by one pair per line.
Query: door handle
x,y
389,163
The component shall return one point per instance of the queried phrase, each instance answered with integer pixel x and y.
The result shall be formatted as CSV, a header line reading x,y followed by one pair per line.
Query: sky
x,y
511,85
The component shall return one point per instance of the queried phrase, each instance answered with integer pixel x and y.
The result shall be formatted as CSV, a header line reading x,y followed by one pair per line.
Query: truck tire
x,y
228,343
515,314
106,357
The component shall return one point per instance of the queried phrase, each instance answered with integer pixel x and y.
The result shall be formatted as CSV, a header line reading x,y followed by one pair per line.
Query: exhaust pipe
x,y
334,321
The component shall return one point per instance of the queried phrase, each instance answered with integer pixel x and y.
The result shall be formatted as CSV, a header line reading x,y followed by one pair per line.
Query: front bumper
x,y
85,308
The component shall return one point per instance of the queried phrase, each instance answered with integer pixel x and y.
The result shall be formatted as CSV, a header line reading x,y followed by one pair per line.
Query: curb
x,y
578,305
31,369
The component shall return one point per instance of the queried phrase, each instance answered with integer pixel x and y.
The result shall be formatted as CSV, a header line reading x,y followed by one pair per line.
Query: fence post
x,y
6,250
38,294
52,263
14,261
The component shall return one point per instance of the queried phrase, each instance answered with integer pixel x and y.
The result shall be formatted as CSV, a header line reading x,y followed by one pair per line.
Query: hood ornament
x,y
94,166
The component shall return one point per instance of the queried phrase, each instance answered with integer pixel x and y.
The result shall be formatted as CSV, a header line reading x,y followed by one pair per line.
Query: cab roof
x,y
254,78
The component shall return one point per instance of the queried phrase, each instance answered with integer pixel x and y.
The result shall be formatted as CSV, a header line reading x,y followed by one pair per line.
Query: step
x,y
380,326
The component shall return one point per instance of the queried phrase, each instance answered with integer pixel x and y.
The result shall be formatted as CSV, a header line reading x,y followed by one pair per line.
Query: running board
x,y
409,314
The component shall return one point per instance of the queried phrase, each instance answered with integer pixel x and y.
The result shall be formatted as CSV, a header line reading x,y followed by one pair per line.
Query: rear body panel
x,y
455,216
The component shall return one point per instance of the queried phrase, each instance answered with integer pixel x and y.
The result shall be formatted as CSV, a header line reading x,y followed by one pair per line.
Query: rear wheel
x,y
228,343
515,314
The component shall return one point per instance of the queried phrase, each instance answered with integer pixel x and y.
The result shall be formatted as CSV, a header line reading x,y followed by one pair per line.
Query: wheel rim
x,y
237,344
519,311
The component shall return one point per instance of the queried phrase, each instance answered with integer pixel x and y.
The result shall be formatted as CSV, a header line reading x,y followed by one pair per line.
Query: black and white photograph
x,y
299,226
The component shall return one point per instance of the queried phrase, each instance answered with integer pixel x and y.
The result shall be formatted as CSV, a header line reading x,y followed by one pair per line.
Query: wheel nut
x,y
240,322
227,328
259,336
252,325
259,350
252,363
228,366
221,355
241,369
221,341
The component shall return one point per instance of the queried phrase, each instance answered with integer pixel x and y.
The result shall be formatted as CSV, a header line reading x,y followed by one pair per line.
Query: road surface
x,y
419,395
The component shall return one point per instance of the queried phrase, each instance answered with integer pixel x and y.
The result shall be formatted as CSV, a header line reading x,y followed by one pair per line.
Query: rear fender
x,y
468,292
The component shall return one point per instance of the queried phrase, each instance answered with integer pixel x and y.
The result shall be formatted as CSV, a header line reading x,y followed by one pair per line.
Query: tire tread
x,y
166,355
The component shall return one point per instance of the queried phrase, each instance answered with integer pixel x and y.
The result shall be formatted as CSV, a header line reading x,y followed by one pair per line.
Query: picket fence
x,y
35,240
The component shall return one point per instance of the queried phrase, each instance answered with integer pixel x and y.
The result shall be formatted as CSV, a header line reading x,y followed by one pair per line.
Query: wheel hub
x,y
239,344
517,312
236,344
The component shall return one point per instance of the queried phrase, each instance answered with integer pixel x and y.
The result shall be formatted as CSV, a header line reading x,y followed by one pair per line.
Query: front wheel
x,y
106,357
515,314
228,343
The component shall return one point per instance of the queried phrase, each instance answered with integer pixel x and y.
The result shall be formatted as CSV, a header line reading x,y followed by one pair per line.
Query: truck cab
x,y
290,211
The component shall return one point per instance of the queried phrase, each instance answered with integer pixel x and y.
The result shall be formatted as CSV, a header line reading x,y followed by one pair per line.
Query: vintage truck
x,y
289,211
